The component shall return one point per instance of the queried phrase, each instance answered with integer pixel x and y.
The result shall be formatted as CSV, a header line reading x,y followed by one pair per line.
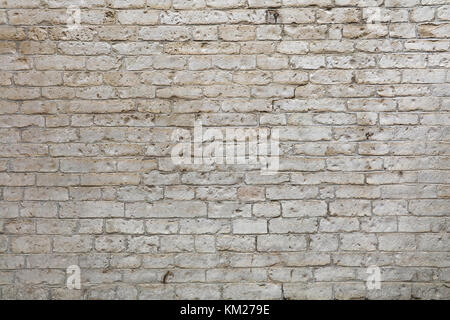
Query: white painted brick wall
x,y
86,117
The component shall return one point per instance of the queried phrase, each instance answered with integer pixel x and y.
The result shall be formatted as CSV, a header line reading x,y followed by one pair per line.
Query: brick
x,y
353,31
339,224
59,63
243,275
331,76
30,244
427,76
350,208
358,242
303,208
436,207
87,209
35,47
197,291
16,179
358,192
324,242
177,243
433,242
166,209
72,243
203,226
249,226
138,244
236,243
124,226
282,225
281,243
421,224
228,210
433,30
396,242
315,291
293,192
312,32
101,179
252,291
379,224
113,243
269,32
339,15
38,78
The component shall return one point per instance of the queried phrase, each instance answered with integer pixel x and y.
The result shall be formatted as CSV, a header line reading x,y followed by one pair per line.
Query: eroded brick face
x,y
360,94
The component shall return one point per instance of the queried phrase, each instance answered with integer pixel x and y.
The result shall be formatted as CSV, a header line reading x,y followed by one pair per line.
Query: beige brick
x,y
281,243
433,30
30,244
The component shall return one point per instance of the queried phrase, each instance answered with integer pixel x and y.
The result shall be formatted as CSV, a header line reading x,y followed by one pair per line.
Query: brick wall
x,y
359,91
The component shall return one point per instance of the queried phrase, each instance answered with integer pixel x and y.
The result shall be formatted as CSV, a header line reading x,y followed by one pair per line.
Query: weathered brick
x,y
91,209
303,208
358,242
249,226
30,244
166,209
397,242
72,243
252,291
273,242
314,291
113,243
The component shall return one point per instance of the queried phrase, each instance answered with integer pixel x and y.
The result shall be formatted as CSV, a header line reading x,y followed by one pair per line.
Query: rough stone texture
x,y
86,178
